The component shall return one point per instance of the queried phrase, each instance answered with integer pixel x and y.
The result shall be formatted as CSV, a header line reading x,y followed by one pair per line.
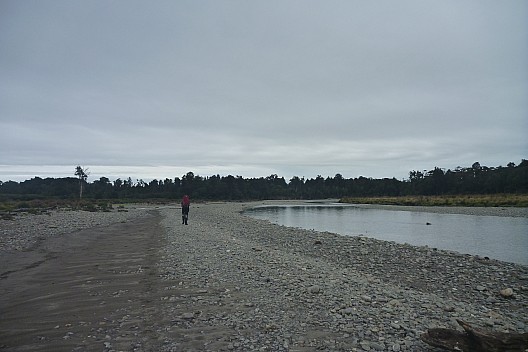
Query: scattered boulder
x,y
187,316
507,292
315,289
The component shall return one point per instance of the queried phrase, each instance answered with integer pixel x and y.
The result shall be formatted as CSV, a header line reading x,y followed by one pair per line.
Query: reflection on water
x,y
503,238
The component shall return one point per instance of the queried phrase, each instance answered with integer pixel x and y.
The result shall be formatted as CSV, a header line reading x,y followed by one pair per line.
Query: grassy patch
x,y
10,207
472,200
38,206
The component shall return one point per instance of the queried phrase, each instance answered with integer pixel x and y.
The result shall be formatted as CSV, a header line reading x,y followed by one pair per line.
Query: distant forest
x,y
476,179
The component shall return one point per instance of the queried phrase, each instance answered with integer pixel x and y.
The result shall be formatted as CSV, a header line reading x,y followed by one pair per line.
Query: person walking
x,y
185,205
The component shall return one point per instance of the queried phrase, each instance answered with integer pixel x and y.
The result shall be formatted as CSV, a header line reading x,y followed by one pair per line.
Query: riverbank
x,y
227,282
474,210
495,233
479,211
456,200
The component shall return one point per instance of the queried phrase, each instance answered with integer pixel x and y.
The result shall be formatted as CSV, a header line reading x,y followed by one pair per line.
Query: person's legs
x,y
185,214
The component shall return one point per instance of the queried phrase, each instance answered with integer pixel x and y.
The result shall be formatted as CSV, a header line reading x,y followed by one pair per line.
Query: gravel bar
x,y
27,230
228,282
480,211
243,284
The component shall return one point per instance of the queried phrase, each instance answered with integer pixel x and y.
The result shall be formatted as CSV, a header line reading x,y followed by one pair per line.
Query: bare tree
x,y
82,174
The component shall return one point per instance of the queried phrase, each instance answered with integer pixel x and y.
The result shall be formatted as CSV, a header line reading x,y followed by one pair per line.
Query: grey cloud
x,y
287,87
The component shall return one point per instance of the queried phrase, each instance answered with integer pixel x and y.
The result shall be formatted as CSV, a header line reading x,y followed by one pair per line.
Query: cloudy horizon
x,y
293,88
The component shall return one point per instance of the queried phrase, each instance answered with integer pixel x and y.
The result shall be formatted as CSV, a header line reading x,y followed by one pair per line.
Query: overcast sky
x,y
154,89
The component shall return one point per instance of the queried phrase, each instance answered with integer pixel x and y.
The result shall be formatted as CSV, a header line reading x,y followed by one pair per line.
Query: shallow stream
x,y
497,237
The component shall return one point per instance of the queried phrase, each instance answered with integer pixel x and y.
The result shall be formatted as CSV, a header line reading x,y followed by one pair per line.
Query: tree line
x,y
476,179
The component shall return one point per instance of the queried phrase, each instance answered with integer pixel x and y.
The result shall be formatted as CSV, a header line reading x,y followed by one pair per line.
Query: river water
x,y
502,238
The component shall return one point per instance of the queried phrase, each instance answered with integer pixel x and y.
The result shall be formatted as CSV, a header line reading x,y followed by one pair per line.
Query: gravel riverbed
x,y
227,282
273,288
27,230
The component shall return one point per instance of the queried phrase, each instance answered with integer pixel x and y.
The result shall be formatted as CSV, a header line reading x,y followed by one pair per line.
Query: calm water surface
x,y
503,238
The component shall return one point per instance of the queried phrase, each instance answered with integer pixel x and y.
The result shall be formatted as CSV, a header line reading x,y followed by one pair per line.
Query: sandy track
x,y
92,290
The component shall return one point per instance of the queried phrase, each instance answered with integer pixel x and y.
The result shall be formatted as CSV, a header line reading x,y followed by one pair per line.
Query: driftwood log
x,y
475,340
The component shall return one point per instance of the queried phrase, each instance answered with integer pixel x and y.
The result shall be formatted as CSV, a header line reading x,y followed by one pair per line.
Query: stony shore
x,y
26,230
227,282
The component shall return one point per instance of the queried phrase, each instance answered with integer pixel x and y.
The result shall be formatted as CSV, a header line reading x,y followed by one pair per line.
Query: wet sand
x,y
76,292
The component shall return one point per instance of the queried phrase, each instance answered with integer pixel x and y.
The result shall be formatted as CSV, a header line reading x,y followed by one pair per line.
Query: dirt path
x,y
93,290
